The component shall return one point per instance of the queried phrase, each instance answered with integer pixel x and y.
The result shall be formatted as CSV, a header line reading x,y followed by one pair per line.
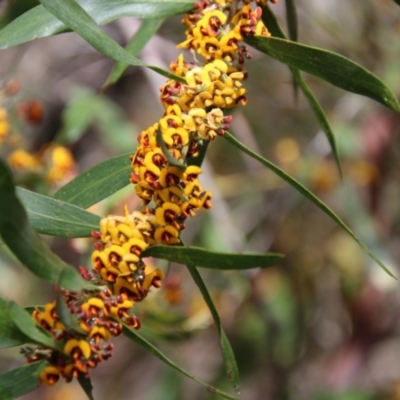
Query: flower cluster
x,y
120,274
166,182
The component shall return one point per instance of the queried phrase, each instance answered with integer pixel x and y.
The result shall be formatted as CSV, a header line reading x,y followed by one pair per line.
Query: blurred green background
x,y
322,325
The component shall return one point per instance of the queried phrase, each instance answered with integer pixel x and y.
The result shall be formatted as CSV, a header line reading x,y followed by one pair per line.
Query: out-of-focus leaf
x,y
332,67
320,114
38,22
212,259
74,16
97,183
146,31
27,325
20,381
230,364
140,340
87,108
21,239
57,218
307,194
171,160
291,18
86,385
14,9
397,2
10,334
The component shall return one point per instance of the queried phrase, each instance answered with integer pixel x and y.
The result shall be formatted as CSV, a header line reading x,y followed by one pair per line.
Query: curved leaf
x,y
38,22
57,218
97,183
273,26
21,239
140,340
306,193
231,367
291,18
10,334
146,31
74,16
332,67
212,259
20,381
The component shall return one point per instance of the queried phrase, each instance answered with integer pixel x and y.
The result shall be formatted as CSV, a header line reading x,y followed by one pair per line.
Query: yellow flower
x,y
50,375
77,349
62,164
167,234
21,160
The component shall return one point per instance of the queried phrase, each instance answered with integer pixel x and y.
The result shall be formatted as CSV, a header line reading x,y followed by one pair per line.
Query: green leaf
x,y
10,334
86,108
57,218
397,2
65,315
291,18
97,183
138,41
230,364
74,16
140,340
171,160
21,239
212,259
27,325
200,158
327,65
270,21
320,114
38,22
86,385
20,381
307,194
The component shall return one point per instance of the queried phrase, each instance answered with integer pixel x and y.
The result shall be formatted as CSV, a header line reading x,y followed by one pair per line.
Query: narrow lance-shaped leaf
x,y
145,32
291,18
211,259
57,218
97,183
270,20
20,381
332,67
307,194
74,16
140,340
39,23
10,334
21,239
231,367
63,312
86,385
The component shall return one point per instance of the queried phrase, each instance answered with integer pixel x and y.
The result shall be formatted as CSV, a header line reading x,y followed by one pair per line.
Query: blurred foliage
x,y
321,326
